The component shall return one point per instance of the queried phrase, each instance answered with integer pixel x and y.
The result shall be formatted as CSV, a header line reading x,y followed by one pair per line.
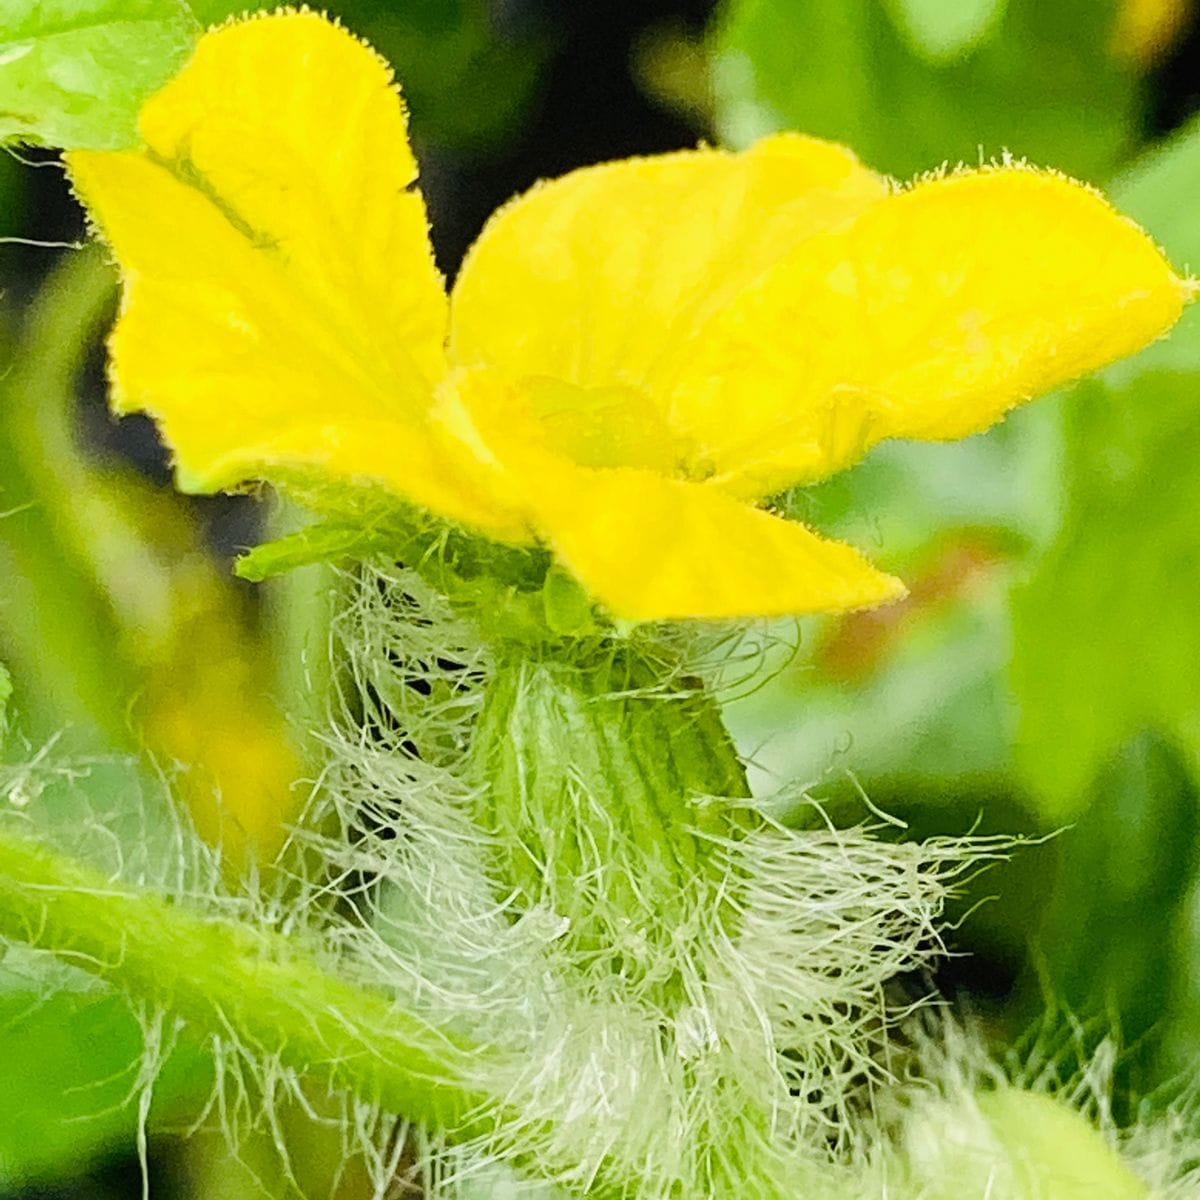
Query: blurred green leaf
x,y
941,29
213,12
467,76
1104,948
466,72
1106,633
73,73
930,704
71,1064
76,578
58,630
1159,191
1107,636
915,690
1037,80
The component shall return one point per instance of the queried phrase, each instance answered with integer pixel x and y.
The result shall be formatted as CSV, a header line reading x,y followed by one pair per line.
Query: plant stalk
x,y
225,978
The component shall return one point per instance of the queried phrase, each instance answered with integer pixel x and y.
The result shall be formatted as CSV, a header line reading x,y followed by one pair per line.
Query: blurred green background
x,y
1042,679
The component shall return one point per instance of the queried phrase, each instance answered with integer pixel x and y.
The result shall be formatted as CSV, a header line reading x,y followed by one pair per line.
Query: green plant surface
x,y
75,72
222,975
910,90
1038,683
1105,633
93,564
1105,946
72,1088
946,29
72,1051
61,535
1059,674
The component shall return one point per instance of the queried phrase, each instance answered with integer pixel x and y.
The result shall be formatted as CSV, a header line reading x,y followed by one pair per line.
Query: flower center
x,y
612,426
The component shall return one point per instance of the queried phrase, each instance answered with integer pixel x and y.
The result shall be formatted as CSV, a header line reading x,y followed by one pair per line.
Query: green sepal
x,y
511,594
74,73
326,542
567,607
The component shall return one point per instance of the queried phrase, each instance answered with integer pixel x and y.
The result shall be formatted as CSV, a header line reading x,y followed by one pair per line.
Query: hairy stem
x,y
225,978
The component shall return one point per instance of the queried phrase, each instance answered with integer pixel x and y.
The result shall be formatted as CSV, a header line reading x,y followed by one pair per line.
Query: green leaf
x,y
468,74
71,1061
1104,949
1158,192
930,710
1153,189
5,694
915,690
1106,632
944,29
59,632
74,73
1036,80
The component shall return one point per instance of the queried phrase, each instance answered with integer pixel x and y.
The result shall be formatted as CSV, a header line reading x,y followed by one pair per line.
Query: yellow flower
x,y
1145,30
633,357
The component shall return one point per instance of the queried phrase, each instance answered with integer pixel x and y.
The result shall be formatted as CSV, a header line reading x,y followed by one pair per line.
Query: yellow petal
x,y
647,546
604,278
938,310
650,548
281,308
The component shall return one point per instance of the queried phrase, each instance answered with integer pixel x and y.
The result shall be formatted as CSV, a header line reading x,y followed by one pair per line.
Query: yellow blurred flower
x,y
632,357
207,714
1145,30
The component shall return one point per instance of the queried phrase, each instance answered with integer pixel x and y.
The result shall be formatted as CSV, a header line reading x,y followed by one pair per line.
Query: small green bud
x,y
1011,1144
568,609
1054,1151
